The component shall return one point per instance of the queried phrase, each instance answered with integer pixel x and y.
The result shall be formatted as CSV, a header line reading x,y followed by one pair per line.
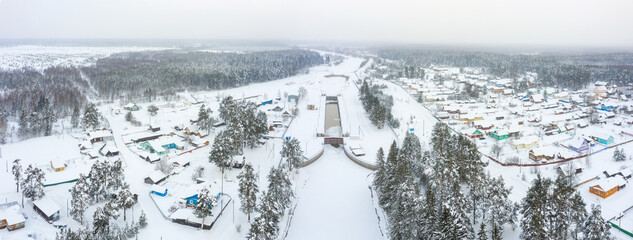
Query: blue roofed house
x,y
579,145
190,195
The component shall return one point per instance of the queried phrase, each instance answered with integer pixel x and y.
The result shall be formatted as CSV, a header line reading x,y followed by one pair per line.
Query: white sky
x,y
535,22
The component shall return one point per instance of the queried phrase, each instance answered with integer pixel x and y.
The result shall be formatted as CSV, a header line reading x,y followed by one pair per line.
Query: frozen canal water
x,y
335,202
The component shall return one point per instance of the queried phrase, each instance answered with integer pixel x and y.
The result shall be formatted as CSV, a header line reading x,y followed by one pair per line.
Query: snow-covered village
x,y
366,121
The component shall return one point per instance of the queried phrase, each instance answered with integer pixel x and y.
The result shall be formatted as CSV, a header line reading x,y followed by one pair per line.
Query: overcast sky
x,y
596,23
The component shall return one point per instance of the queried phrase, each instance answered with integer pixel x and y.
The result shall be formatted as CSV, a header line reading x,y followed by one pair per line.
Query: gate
x,y
333,140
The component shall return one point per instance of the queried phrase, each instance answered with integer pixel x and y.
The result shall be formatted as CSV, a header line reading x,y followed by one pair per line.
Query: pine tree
x,y
100,223
499,209
142,220
205,120
17,173
533,209
125,200
222,151
74,117
91,117
227,109
280,189
292,152
268,221
595,227
204,206
481,235
248,190
80,198
32,186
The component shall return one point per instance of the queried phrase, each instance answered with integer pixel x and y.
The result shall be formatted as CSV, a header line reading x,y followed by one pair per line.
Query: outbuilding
x,y
155,177
58,165
47,209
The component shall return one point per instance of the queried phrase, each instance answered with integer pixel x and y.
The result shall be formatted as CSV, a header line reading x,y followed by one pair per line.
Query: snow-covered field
x,y
334,201
40,57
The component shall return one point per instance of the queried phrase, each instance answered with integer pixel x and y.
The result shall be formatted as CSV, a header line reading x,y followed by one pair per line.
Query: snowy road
x,y
335,202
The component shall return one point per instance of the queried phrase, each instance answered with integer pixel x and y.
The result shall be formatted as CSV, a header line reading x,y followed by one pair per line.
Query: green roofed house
x,y
500,134
603,138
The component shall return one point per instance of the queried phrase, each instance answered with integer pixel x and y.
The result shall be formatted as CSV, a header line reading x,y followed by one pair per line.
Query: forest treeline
x,y
557,70
140,76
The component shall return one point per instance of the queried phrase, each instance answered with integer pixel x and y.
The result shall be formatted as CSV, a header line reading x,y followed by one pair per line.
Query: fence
x,y
313,159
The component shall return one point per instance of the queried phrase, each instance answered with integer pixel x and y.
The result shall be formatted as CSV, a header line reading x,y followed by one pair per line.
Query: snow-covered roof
x,y
526,140
607,184
13,215
626,172
108,148
181,161
544,151
47,206
99,134
58,163
156,176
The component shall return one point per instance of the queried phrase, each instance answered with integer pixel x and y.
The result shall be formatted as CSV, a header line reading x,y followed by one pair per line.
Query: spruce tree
x,y
595,227
380,174
142,220
248,190
495,232
481,235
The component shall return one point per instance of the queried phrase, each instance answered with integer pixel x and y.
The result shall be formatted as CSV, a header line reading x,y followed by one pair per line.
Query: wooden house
x,y
473,133
11,216
526,142
537,98
483,125
607,186
603,138
570,169
538,154
131,107
579,145
109,150
155,177
100,136
58,165
500,134
46,208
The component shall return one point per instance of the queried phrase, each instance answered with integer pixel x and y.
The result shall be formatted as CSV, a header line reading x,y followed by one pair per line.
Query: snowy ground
x,y
334,201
